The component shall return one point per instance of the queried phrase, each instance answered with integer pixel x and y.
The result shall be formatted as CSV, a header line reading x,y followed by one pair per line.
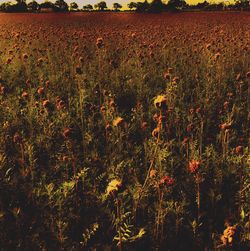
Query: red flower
x,y
193,165
239,150
166,180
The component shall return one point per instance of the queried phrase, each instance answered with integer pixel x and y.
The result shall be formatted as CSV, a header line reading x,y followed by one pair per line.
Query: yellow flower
x,y
113,186
160,101
118,121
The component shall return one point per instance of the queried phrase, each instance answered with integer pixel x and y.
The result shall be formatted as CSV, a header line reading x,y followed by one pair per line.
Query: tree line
x,y
155,6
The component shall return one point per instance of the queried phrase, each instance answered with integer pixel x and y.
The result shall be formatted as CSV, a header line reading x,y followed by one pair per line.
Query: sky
x,y
110,2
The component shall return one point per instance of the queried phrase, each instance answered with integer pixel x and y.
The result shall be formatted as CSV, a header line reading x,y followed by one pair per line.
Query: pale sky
x,y
122,2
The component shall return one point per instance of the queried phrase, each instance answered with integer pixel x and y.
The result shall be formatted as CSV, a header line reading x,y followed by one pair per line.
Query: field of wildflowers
x,y
124,131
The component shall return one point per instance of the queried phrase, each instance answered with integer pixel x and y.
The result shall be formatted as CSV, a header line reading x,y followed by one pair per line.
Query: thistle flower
x,y
40,90
152,173
25,95
225,126
160,101
118,121
193,165
228,235
166,180
155,132
67,133
99,42
239,150
25,56
113,186
47,104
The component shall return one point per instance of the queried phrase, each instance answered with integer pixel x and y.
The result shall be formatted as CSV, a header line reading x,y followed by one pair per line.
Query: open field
x,y
124,131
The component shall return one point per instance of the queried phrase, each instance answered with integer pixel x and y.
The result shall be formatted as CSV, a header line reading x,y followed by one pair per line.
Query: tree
x,y
48,5
61,6
5,7
101,6
33,6
156,6
20,6
142,6
132,5
73,6
117,6
88,7
176,4
242,4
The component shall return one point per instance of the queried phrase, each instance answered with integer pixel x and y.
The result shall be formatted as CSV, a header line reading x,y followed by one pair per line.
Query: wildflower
x,y
65,158
208,46
160,101
113,186
225,126
28,82
47,83
190,127
193,165
40,61
102,109
226,105
162,119
176,79
185,140
81,60
46,104
108,127
60,105
112,103
40,90
238,77
25,95
167,76
133,35
2,89
191,110
118,121
239,150
99,42
217,56
156,117
152,173
156,132
166,180
8,61
228,235
25,56
67,133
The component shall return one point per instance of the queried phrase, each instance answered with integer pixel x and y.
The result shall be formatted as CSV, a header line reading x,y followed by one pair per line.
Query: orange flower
x,y
40,90
118,121
156,132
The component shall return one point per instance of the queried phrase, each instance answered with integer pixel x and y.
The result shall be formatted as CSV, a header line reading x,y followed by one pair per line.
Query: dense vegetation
x,y
154,6
123,131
